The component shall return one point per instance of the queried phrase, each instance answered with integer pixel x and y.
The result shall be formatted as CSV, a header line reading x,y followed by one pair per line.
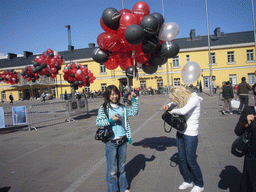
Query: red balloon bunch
x,y
49,63
134,34
28,74
9,76
78,75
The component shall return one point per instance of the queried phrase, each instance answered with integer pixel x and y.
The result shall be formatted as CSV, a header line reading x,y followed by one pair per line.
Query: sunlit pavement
x,y
63,156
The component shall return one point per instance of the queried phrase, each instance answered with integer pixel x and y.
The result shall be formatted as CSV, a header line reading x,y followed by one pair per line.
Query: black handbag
x,y
104,132
175,121
240,145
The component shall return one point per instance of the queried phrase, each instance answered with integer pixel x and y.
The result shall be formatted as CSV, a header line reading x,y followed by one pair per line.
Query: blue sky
x,y
28,25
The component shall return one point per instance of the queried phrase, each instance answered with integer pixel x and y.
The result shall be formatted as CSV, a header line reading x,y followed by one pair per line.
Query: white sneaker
x,y
197,189
185,185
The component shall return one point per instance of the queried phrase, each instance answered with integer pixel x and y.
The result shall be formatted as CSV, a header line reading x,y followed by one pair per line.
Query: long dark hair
x,y
108,92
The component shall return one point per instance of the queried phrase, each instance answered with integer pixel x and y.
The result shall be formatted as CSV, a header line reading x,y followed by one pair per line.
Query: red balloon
x,y
124,11
105,28
126,20
49,51
53,70
124,64
141,9
109,41
53,76
111,63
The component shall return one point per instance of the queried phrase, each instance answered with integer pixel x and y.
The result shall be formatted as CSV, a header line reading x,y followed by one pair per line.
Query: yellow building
x,y
232,57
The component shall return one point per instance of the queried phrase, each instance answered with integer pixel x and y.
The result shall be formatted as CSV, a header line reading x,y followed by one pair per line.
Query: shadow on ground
x,y
134,166
230,178
158,143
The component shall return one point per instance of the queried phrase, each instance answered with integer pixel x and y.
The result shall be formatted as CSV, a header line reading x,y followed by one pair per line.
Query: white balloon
x,y
78,71
190,72
169,31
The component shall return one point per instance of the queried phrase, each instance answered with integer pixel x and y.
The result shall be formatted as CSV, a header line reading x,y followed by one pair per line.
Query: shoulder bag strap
x,y
105,110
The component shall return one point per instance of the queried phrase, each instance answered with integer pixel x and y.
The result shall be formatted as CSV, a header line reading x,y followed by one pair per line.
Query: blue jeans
x,y
116,157
244,99
189,167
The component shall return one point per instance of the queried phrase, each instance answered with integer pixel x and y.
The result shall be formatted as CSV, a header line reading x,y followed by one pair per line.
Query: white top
x,y
192,113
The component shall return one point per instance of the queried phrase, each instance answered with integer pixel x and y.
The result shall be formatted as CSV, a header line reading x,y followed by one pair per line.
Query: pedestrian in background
x,y
11,98
254,92
188,104
116,146
243,94
43,96
247,122
214,87
228,94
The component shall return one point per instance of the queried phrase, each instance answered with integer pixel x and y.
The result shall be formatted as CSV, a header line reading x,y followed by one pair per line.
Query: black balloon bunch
x,y
49,64
138,35
9,76
78,75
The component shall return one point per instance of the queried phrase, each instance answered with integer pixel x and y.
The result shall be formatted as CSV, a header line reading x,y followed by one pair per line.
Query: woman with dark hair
x,y
115,114
247,122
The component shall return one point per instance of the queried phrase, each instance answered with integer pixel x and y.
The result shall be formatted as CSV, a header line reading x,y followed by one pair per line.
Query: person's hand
x,y
115,118
250,118
165,107
133,94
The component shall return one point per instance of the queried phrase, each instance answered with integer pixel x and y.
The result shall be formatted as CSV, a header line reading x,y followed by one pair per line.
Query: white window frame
x,y
87,89
175,62
251,78
187,58
231,56
213,58
233,79
102,68
250,55
160,83
103,87
143,84
176,81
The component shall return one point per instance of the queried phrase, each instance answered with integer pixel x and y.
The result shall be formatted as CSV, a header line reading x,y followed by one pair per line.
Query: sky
x,y
35,26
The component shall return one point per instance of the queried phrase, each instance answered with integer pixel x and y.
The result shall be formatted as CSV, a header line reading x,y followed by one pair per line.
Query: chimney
x,y
192,34
91,45
26,54
70,48
11,56
217,32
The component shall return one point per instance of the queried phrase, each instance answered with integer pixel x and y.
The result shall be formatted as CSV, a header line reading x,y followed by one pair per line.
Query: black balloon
x,y
48,75
35,64
87,83
80,82
150,45
160,20
33,79
73,75
131,71
158,60
58,67
99,56
1,78
110,18
34,70
86,77
43,65
150,69
149,24
169,49
134,34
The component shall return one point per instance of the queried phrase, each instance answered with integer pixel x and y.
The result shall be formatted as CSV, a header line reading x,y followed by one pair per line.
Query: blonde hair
x,y
180,95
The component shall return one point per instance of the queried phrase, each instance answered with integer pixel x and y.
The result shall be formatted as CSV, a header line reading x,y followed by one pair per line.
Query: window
x,y
87,89
232,80
187,58
176,61
103,87
102,68
3,96
213,59
176,81
143,84
86,66
231,57
160,83
250,55
251,78
53,92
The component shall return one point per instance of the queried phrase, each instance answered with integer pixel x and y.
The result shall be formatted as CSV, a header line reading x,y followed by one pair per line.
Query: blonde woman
x,y
188,104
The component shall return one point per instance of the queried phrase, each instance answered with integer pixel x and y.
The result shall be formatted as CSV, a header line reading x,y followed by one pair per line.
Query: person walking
x,y
254,92
214,87
243,94
116,146
43,96
188,104
228,94
247,122
11,98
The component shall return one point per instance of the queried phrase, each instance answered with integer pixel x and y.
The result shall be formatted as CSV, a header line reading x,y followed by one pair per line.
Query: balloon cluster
x,y
138,35
9,76
78,75
49,63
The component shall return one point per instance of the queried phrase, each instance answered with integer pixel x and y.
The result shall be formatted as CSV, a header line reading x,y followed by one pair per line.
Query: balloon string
x,y
133,70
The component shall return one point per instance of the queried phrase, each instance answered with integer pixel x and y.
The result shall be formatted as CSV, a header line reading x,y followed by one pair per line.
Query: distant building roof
x,y
218,39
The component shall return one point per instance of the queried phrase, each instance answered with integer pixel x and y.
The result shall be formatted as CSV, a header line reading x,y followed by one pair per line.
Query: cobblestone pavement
x,y
64,157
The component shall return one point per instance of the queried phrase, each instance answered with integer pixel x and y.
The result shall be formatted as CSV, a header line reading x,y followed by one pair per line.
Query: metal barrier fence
x,y
30,115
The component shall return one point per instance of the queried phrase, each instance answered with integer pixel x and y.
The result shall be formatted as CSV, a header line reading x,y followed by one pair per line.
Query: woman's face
x,y
113,97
